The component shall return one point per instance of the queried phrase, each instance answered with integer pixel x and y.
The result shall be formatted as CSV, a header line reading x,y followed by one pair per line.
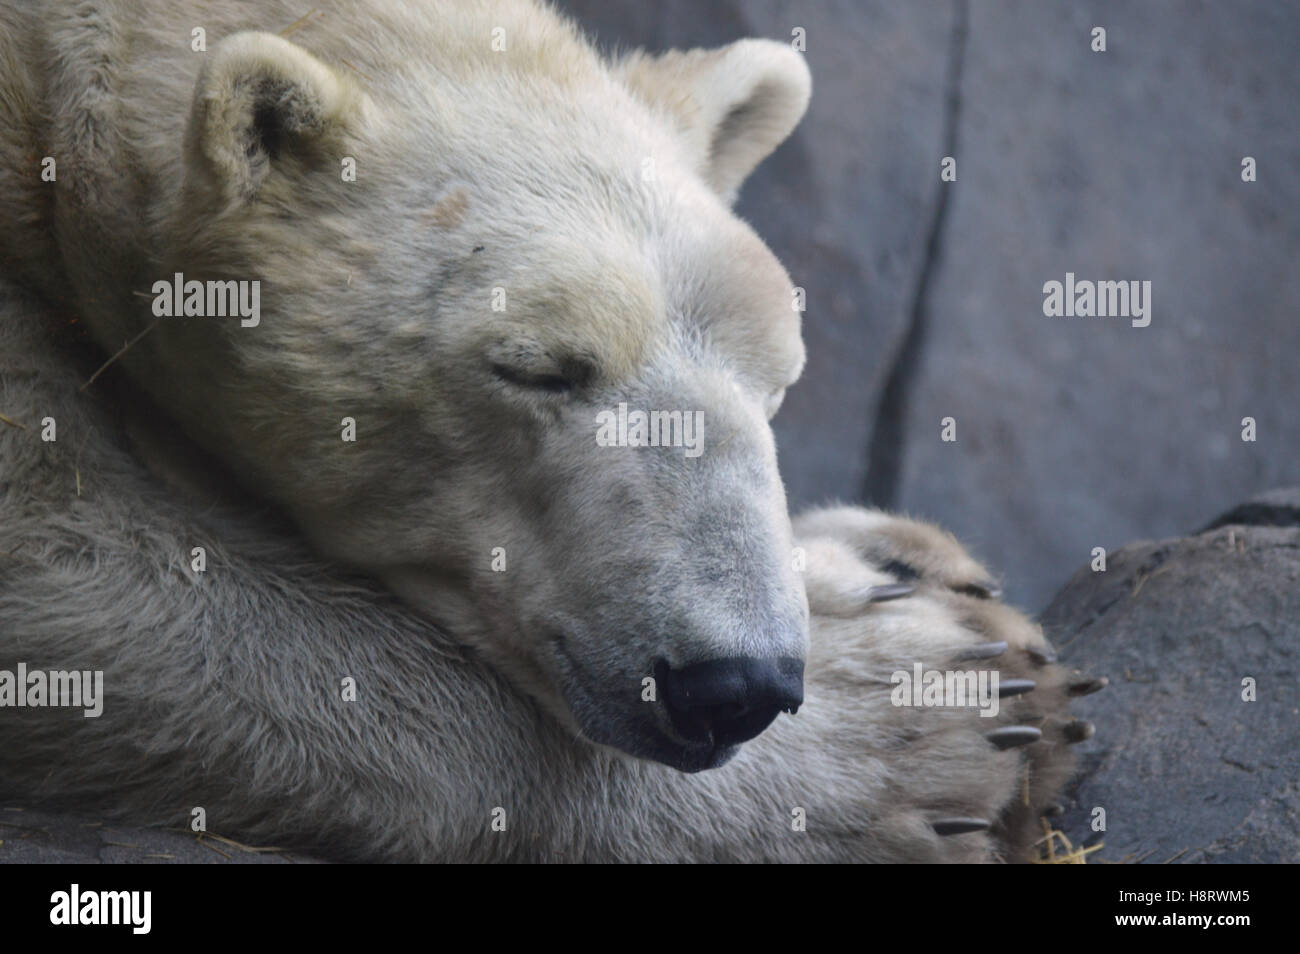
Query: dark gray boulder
x,y
1185,768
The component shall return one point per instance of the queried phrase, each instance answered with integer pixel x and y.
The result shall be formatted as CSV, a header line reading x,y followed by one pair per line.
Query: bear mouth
x,y
690,759
606,719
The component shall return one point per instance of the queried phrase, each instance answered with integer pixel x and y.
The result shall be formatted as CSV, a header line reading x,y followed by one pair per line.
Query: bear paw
x,y
894,599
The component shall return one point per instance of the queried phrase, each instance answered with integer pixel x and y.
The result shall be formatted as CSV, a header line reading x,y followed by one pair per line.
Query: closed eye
x,y
551,383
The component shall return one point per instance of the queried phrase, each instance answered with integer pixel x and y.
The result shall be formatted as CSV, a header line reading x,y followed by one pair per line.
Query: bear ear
x,y
260,101
733,105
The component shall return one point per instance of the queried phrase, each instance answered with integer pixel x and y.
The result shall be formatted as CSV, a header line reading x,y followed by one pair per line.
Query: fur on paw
x,y
887,594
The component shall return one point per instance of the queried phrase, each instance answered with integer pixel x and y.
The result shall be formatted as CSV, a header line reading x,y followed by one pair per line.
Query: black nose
x,y
729,701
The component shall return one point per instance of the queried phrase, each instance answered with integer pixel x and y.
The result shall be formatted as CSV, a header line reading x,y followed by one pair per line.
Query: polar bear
x,y
448,238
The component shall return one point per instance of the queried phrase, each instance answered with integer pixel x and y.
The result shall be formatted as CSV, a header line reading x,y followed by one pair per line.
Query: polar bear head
x,y
514,354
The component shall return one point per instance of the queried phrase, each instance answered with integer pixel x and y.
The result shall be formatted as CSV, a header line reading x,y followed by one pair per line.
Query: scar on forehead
x,y
449,211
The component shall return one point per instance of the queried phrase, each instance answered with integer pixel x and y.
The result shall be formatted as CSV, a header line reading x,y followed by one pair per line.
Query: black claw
x,y
1078,731
1052,811
1015,687
959,826
1089,685
984,651
1010,736
1042,656
889,591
